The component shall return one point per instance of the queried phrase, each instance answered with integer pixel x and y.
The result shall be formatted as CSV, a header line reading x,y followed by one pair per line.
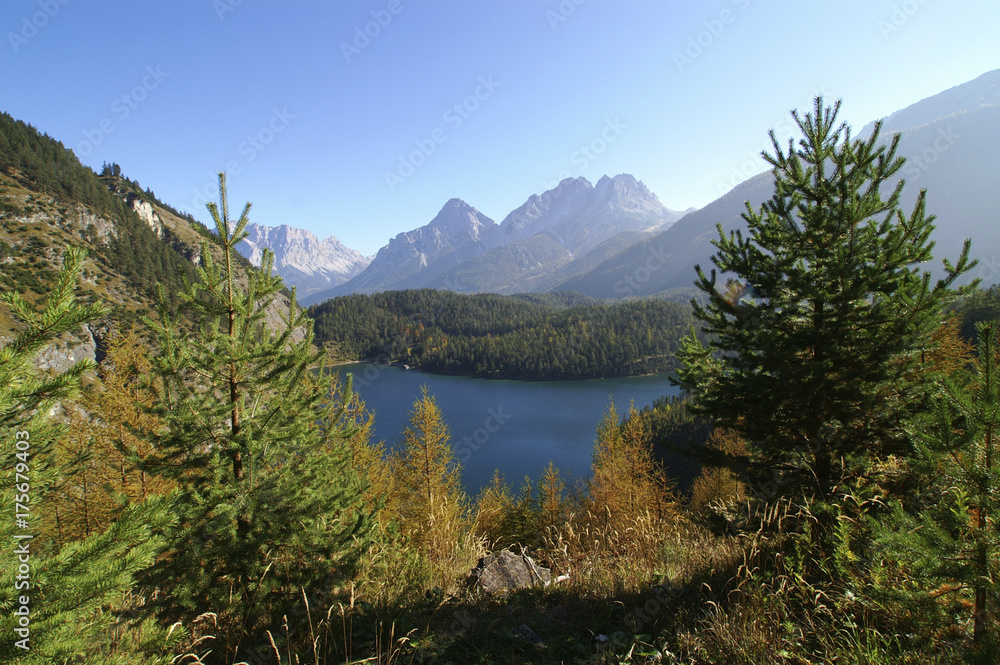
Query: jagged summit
x,y
303,260
458,220
580,216
414,258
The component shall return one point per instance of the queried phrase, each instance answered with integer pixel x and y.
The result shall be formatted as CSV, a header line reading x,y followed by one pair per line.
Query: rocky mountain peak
x,y
580,215
459,221
302,259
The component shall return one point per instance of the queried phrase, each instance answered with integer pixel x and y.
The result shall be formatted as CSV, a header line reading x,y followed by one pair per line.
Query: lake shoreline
x,y
415,368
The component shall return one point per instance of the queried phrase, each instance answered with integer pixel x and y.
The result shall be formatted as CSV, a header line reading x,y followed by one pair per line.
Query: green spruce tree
x,y
816,333
270,506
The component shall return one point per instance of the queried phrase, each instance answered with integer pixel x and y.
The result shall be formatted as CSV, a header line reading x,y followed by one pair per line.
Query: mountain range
x,y
616,239
611,239
550,238
950,142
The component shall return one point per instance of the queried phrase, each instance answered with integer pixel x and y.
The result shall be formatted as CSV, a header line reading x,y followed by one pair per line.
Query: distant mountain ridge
x,y
303,260
580,216
612,239
950,141
536,245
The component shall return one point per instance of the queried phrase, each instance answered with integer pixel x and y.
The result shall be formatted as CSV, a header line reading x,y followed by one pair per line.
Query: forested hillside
x,y
50,201
490,335
43,165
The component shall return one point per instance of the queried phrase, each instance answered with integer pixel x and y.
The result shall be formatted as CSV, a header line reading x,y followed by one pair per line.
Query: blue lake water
x,y
514,426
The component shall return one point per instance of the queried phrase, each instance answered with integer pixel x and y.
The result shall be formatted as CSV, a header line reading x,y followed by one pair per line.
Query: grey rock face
x,y
303,260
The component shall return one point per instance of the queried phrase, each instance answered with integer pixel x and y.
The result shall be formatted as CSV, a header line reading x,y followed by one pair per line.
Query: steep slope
x,y
303,260
49,200
509,268
588,222
667,259
950,142
416,258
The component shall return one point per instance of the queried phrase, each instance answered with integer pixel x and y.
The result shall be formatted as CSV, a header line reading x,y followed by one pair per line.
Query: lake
x,y
514,426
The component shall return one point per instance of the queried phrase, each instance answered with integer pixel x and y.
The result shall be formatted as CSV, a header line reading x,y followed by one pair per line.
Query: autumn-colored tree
x,y
948,351
551,499
83,499
106,443
493,507
629,495
123,407
627,481
428,498
719,486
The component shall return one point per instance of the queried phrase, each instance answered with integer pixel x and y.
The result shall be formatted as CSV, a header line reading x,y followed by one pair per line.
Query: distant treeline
x,y
981,305
527,337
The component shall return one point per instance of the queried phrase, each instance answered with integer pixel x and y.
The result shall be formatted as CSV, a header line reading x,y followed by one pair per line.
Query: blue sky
x,y
361,119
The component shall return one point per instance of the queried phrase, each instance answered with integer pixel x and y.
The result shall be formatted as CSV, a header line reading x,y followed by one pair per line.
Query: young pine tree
x,y
951,541
58,600
429,501
815,338
629,496
270,506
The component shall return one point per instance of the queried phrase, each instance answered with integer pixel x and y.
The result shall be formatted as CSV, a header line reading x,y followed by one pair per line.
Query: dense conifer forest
x,y
514,337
